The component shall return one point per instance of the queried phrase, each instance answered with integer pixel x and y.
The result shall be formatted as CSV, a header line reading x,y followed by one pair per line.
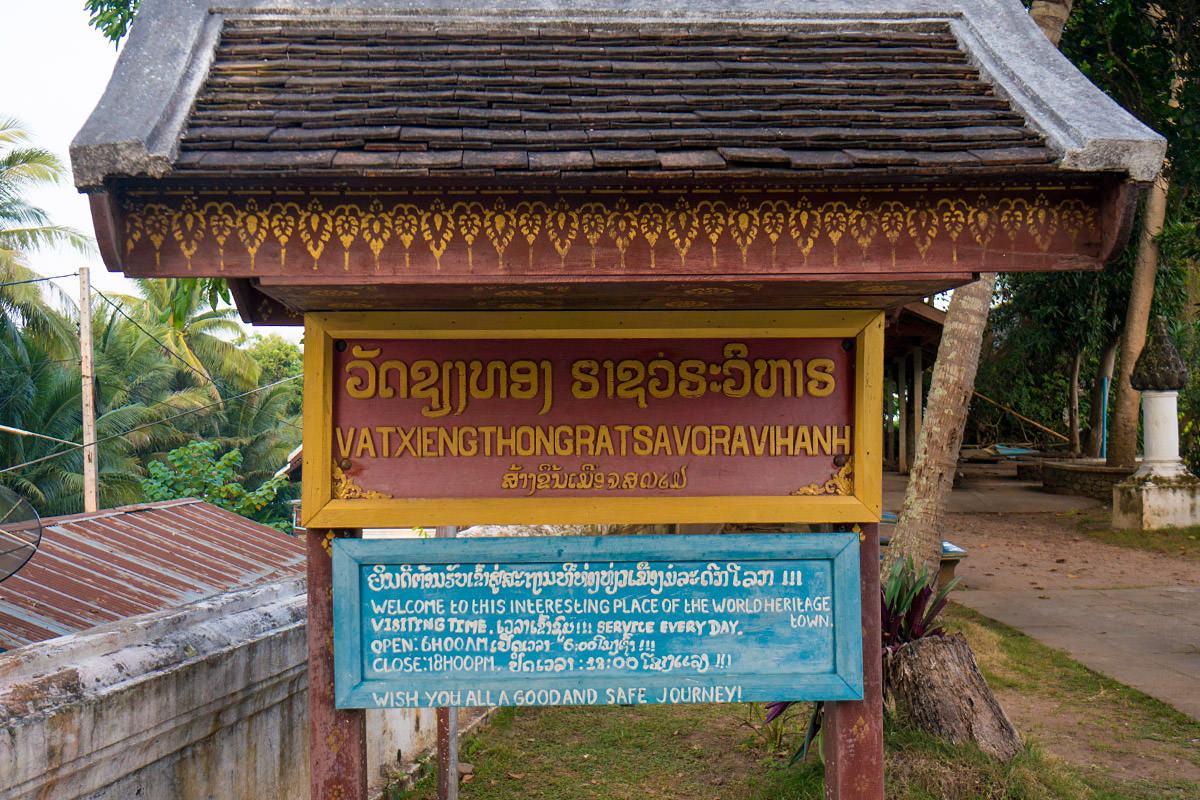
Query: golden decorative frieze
x,y
750,231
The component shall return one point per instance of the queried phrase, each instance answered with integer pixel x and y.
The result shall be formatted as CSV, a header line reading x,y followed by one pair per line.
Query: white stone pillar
x,y
1160,432
1162,493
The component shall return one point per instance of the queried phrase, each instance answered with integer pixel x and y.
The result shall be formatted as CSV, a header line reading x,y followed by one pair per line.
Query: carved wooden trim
x,y
410,234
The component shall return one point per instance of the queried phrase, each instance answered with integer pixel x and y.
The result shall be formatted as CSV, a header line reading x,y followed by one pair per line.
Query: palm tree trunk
x,y
1051,17
1122,432
923,516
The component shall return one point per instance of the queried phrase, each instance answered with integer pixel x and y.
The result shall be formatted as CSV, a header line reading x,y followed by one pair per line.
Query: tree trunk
x,y
1051,17
1096,421
1073,403
1122,432
937,684
922,518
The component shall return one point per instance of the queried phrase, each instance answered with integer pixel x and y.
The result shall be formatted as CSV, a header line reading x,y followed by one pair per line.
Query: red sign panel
x,y
524,416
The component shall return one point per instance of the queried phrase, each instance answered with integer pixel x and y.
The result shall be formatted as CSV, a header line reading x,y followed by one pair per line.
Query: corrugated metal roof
x,y
119,562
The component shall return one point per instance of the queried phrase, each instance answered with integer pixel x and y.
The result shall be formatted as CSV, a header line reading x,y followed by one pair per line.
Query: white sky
x,y
54,68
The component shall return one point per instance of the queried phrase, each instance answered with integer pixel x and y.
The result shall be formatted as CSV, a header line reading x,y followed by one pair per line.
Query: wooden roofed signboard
x,y
598,262
539,417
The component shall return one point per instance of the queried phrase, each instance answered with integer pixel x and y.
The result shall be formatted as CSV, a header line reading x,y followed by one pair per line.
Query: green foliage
x,y
1187,340
111,17
1031,339
167,367
213,291
1146,56
277,360
195,470
24,226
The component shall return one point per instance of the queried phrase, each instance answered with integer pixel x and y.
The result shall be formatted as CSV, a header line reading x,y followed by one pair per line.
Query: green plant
x,y
769,722
910,602
195,470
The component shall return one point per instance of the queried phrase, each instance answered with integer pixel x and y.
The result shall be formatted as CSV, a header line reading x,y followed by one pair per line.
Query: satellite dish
x,y
20,532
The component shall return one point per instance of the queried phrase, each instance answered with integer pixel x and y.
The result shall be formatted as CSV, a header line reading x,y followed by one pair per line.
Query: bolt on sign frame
x,y
592,417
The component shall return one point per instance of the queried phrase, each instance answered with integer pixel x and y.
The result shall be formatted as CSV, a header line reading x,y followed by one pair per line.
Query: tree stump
x,y
937,684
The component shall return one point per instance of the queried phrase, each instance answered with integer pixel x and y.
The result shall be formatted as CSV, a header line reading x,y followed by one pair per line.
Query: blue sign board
x,y
596,620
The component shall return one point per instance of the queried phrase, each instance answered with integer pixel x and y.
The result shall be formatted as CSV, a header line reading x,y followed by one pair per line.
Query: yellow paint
x,y
590,324
324,227
322,509
583,441
868,417
840,483
586,511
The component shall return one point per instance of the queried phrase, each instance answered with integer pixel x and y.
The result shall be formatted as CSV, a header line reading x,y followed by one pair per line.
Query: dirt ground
x,y
1045,552
1017,551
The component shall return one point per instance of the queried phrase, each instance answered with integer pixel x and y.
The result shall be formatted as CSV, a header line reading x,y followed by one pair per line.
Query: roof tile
x,y
288,99
691,159
570,159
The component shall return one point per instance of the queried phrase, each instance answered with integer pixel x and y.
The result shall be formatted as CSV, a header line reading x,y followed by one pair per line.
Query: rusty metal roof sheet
x,y
95,568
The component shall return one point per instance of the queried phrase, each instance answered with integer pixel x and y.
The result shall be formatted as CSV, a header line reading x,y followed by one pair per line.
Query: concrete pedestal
x,y
1162,493
1151,501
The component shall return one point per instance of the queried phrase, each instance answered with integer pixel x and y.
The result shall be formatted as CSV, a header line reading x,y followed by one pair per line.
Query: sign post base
x,y
854,729
337,738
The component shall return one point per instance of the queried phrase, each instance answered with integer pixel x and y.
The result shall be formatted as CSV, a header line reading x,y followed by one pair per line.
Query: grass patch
x,y
1175,542
600,752
1011,660
724,752
1111,722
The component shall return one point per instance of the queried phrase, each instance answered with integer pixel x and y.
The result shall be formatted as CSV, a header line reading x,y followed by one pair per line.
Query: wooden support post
x,y
447,726
902,407
918,390
854,730
337,740
447,753
889,443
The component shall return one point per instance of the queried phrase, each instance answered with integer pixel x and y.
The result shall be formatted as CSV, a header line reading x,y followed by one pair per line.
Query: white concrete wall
x,y
206,702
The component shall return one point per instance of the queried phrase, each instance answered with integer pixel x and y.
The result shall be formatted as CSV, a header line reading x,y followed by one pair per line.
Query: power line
x,y
39,280
150,424
208,378
149,402
44,363
20,432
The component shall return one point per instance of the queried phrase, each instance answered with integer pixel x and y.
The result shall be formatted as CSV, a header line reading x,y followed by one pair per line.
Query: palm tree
x,y
202,340
50,405
258,425
25,227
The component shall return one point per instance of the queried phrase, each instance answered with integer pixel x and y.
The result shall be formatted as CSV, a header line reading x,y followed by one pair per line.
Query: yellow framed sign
x,y
591,417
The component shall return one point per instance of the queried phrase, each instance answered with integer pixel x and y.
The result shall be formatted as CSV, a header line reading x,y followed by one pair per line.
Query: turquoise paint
x,y
596,620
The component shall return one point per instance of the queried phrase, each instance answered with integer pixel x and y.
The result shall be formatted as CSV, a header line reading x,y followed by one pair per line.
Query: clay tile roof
x,y
294,99
261,89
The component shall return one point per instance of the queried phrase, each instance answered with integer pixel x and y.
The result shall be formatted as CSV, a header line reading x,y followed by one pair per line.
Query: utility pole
x,y
91,493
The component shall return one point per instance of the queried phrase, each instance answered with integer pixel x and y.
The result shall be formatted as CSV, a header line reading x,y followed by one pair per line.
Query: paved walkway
x,y
1147,637
994,494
